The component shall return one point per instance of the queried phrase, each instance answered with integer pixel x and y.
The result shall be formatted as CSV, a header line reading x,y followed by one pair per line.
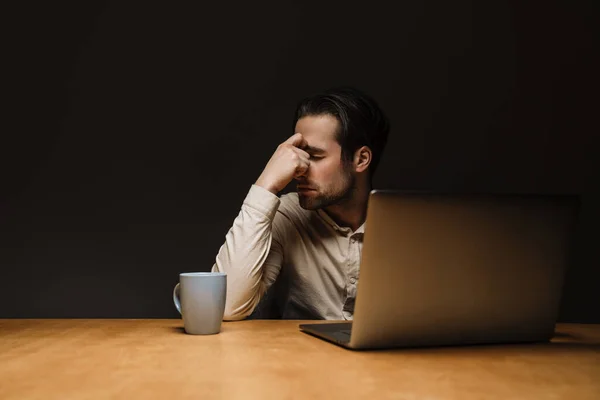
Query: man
x,y
307,242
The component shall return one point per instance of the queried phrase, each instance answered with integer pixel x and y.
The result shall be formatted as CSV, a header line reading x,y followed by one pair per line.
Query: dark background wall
x,y
134,129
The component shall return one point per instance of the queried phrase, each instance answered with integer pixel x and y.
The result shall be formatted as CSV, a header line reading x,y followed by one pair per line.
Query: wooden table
x,y
155,359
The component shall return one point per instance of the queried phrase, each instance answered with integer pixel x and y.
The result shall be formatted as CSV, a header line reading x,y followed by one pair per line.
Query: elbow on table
x,y
234,317
237,312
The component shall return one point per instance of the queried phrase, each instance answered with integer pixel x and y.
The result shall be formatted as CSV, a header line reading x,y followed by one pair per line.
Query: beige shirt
x,y
306,264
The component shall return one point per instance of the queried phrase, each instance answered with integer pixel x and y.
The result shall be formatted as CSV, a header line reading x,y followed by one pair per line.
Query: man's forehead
x,y
319,131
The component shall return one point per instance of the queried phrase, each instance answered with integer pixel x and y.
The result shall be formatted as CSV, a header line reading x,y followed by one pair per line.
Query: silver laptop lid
x,y
455,269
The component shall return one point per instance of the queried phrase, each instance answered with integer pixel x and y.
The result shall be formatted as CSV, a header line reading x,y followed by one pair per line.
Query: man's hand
x,y
288,162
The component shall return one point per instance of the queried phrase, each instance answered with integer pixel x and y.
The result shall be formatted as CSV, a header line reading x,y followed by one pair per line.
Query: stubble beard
x,y
330,197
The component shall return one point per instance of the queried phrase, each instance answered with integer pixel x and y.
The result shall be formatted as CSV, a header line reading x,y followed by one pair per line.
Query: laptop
x,y
457,269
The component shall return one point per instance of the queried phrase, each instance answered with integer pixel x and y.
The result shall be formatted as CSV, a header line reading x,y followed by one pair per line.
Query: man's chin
x,y
308,202
314,201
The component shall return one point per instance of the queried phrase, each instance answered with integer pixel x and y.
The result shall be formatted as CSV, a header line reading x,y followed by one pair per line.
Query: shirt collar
x,y
336,227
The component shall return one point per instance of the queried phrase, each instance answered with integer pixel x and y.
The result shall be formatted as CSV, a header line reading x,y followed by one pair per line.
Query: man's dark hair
x,y
362,122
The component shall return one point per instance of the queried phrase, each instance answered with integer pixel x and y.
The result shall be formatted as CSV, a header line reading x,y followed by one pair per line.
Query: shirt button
x,y
352,280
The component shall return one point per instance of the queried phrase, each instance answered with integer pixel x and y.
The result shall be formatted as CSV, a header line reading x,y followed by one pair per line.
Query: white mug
x,y
200,299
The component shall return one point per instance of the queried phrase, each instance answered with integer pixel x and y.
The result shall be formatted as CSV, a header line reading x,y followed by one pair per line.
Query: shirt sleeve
x,y
252,254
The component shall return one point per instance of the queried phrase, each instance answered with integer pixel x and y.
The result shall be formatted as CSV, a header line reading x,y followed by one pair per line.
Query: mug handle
x,y
176,298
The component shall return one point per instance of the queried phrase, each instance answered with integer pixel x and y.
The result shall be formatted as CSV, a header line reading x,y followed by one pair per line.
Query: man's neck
x,y
352,212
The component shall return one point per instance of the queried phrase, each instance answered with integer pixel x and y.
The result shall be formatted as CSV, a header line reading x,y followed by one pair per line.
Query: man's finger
x,y
297,140
302,169
302,153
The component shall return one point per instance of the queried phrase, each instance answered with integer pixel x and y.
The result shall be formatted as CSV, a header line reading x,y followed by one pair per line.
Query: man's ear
x,y
362,159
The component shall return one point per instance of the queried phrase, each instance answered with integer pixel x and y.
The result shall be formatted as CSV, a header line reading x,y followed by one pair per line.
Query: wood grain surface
x,y
260,359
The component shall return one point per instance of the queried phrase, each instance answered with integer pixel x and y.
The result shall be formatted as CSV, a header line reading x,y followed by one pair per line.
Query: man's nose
x,y
303,179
